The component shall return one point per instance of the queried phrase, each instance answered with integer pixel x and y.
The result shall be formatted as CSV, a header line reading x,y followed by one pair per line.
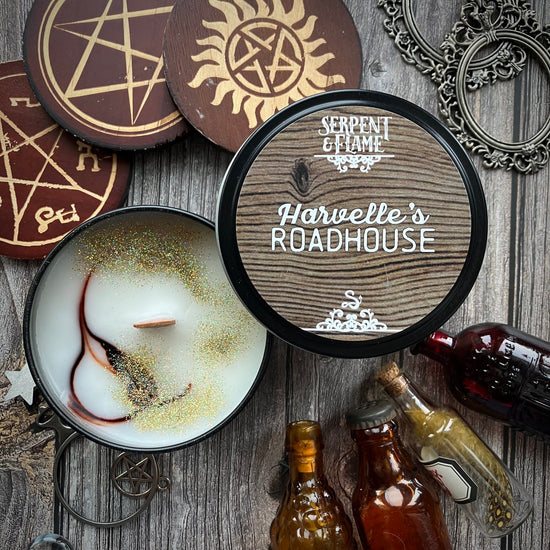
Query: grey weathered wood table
x,y
225,490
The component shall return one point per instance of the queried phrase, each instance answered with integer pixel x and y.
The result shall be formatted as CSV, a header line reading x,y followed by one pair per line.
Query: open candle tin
x,y
134,335
352,223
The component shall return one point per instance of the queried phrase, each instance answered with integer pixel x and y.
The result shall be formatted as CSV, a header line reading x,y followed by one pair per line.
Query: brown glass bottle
x,y
395,505
310,516
497,370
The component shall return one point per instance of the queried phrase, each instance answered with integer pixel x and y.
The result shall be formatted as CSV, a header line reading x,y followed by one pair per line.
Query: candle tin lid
x,y
352,223
133,333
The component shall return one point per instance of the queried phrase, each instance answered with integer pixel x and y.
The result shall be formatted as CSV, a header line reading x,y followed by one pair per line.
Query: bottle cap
x,y
371,414
391,379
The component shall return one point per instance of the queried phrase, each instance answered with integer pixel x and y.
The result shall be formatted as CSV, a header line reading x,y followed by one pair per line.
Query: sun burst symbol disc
x,y
231,65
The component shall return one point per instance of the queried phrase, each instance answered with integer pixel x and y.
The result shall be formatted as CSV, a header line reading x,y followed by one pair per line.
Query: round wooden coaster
x,y
231,65
50,181
97,68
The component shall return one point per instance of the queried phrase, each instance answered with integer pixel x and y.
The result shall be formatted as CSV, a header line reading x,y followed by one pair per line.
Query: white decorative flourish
x,y
353,161
356,320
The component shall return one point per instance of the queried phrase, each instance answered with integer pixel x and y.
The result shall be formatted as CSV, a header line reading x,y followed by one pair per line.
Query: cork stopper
x,y
391,379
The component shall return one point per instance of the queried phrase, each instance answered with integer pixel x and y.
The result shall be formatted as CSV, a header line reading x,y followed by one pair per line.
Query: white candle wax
x,y
136,335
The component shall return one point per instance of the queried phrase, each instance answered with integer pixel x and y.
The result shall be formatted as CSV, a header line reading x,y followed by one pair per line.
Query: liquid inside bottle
x,y
395,505
310,517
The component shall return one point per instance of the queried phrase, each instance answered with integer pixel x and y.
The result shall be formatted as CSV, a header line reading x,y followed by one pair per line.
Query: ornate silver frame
x,y
511,27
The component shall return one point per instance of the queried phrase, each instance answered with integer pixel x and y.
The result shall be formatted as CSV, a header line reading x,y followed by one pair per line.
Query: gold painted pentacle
x,y
232,65
97,67
50,181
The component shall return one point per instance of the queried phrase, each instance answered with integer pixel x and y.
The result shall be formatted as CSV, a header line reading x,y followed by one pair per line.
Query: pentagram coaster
x,y
131,477
50,181
231,65
97,67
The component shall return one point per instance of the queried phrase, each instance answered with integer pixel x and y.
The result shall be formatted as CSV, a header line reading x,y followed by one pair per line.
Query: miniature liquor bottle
x,y
310,517
458,459
395,504
497,370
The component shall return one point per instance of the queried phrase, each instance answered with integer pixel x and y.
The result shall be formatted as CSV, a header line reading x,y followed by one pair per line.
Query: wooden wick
x,y
155,323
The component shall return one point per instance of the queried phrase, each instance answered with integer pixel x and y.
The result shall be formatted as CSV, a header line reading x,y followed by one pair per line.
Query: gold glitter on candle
x,y
218,343
204,401
122,250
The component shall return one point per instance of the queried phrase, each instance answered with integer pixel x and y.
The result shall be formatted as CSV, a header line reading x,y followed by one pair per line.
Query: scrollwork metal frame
x,y
512,28
526,156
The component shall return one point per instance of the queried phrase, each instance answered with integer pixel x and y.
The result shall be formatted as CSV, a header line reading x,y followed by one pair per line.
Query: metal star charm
x,y
22,384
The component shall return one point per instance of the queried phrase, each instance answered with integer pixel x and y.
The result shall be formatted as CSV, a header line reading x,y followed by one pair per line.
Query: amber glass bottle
x,y
395,505
310,516
459,460
497,370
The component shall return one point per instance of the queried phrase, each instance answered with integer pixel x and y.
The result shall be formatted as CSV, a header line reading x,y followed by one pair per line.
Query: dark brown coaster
x,y
50,181
97,68
231,65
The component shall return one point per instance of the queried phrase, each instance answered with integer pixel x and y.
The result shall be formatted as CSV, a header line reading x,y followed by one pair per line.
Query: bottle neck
x,y
307,464
407,397
380,452
438,346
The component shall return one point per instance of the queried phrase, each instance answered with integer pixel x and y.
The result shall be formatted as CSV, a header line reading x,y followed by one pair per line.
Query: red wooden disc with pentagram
x,y
97,68
231,65
50,181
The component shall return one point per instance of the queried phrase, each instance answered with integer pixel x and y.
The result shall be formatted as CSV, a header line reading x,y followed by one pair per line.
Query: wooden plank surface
x,y
225,490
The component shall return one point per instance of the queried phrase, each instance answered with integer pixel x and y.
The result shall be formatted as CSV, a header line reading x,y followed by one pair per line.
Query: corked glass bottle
x,y
458,459
395,505
497,370
310,517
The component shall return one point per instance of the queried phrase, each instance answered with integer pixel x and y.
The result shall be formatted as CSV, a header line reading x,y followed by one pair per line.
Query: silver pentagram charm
x,y
136,478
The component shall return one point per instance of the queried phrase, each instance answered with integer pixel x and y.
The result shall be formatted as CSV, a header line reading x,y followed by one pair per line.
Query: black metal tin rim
x,y
227,213
35,369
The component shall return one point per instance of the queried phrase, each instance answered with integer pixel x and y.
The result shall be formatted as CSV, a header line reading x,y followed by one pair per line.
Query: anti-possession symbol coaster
x,y
50,181
97,67
231,65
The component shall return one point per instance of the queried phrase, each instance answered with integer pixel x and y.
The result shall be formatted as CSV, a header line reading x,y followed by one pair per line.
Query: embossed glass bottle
x,y
395,505
458,459
497,370
310,517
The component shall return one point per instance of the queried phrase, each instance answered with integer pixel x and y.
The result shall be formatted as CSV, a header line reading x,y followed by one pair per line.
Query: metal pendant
x,y
514,29
134,478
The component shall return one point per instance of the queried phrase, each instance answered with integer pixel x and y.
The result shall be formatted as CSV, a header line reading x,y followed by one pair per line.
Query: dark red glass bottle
x,y
498,371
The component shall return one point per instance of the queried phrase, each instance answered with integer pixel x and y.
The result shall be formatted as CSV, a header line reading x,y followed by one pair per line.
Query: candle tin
x,y
134,335
352,223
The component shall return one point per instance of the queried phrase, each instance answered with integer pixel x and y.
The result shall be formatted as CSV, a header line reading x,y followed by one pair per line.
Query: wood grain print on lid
x,y
231,65
98,69
50,181
354,224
